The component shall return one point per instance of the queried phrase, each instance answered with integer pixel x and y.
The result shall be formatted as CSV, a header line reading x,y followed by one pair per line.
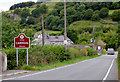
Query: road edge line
x,y
108,70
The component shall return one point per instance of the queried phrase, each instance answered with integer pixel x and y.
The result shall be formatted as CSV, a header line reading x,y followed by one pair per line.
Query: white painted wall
x,y
3,62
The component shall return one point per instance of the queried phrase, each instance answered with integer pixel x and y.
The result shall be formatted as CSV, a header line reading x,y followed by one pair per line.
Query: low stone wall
x,y
3,62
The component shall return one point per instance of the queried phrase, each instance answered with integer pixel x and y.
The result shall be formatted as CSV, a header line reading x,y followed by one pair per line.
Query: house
x,y
58,40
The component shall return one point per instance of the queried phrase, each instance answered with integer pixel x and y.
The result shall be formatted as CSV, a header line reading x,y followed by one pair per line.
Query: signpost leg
x,y
27,56
17,56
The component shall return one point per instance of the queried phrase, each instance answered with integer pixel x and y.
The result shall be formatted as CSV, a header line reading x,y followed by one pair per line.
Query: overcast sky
x,y
5,4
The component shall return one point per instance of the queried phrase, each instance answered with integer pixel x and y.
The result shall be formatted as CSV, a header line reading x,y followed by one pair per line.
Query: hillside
x,y
80,19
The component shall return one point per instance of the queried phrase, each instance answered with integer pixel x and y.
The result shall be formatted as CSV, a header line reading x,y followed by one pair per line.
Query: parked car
x,y
110,51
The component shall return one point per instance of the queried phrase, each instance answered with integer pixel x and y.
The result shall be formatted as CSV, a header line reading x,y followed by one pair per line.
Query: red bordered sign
x,y
22,41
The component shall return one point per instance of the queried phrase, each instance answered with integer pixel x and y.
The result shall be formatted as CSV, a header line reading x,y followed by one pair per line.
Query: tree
x,y
23,21
72,34
21,5
104,12
31,20
111,40
97,12
43,11
81,8
115,5
17,11
88,14
54,12
25,12
53,21
36,13
116,16
95,17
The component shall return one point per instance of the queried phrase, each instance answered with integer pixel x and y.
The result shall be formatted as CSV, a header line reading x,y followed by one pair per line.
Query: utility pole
x,y
43,33
93,35
65,34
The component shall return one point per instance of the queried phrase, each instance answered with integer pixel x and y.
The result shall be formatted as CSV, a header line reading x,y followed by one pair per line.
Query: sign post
x,y
21,42
27,56
17,56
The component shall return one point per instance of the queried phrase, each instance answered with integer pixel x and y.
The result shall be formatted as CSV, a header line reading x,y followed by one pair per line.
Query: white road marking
x,y
50,69
108,70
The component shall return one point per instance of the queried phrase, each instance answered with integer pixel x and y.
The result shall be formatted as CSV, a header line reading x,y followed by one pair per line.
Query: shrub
x,y
91,52
75,52
11,56
104,12
84,51
47,54
95,17
88,14
32,20
116,16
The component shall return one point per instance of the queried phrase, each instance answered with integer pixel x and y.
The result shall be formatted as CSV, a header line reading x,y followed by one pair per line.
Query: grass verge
x,y
118,68
57,64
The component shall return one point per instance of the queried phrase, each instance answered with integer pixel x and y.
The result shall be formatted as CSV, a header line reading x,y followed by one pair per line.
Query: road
x,y
100,68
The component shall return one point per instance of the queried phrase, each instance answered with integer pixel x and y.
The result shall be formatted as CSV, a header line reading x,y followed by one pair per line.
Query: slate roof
x,y
57,38
49,39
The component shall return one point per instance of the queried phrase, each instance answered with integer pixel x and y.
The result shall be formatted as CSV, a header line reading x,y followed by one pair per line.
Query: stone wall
x,y
3,62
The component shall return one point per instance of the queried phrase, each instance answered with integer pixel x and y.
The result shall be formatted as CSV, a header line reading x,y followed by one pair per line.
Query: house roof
x,y
100,43
57,38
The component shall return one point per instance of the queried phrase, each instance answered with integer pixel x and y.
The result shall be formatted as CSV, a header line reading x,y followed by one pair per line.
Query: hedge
x,y
44,55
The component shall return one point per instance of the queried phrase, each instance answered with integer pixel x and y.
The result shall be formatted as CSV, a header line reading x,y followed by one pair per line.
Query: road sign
x,y
22,41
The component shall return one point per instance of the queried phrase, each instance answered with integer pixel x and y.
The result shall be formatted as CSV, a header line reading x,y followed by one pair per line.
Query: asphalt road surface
x,y
100,68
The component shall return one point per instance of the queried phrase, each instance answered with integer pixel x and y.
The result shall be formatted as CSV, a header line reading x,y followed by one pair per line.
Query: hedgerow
x,y
47,54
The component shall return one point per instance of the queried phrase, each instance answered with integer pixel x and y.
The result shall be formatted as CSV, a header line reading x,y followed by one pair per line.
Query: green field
x,y
111,11
86,23
50,32
50,5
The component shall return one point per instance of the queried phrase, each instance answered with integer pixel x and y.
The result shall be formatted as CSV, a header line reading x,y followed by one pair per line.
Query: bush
x,y
32,20
116,16
95,17
75,52
88,14
104,12
91,52
11,56
47,54
84,51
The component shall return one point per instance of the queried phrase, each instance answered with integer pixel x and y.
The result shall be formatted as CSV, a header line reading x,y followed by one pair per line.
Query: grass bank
x,y
57,64
118,69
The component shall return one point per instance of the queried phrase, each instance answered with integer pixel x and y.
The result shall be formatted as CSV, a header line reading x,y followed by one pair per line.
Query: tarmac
x,y
12,72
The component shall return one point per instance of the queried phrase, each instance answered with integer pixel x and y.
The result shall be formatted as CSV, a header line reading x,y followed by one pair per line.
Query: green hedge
x,y
91,52
44,55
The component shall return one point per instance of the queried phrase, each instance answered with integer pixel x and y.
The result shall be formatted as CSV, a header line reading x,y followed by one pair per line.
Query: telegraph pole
x,y
43,33
93,35
65,34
